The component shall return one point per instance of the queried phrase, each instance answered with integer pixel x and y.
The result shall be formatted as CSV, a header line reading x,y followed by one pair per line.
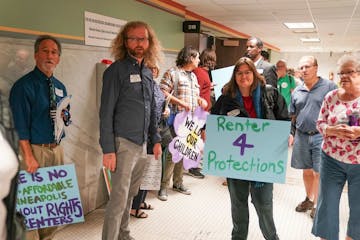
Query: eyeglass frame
x,y
137,39
347,73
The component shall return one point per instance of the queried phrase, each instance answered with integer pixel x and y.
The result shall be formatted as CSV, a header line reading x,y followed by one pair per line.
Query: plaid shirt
x,y
188,89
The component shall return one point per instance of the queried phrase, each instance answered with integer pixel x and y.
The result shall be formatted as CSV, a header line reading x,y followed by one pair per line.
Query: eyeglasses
x,y
136,39
243,73
347,73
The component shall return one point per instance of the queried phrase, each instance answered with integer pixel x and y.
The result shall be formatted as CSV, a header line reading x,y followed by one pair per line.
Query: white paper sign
x,y
100,30
152,174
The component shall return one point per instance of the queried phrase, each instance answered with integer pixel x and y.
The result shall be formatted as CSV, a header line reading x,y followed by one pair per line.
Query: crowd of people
x,y
134,113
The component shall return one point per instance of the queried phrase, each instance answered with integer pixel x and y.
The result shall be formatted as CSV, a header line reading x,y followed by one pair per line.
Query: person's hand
x,y
31,164
290,140
202,103
157,151
166,112
187,107
109,161
343,131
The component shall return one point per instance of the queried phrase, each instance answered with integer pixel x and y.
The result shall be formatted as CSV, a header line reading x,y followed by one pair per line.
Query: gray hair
x,y
353,58
46,37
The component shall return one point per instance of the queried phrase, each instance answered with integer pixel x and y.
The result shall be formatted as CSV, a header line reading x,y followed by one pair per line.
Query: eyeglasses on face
x,y
136,39
347,73
243,73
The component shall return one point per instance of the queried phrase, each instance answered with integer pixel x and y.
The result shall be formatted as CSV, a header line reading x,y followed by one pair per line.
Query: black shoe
x,y
195,172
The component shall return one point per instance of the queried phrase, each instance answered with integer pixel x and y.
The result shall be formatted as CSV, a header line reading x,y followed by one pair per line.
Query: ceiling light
x,y
306,40
304,31
298,25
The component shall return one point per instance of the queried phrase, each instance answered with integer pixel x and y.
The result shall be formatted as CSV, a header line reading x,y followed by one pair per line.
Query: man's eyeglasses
x,y
136,39
346,74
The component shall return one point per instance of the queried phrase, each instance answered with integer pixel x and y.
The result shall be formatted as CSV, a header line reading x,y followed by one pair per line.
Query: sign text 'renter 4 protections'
x,y
246,148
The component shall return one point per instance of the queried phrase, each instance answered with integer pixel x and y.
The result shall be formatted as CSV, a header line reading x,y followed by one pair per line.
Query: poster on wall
x,y
49,197
246,148
100,30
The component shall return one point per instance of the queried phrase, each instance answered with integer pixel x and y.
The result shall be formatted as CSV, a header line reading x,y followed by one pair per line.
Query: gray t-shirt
x,y
305,104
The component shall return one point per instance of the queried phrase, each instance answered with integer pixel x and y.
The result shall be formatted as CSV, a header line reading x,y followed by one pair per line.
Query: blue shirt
x,y
30,105
127,107
305,104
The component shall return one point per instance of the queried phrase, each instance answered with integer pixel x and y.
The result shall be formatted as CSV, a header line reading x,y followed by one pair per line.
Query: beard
x,y
138,52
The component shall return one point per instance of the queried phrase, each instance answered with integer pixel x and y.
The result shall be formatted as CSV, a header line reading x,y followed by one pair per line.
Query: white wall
x,y
326,61
77,70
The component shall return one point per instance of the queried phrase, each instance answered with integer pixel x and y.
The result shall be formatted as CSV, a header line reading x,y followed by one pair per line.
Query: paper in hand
x,y
59,123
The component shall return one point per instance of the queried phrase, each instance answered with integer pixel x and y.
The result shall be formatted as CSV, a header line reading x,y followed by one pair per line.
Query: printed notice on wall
x,y
100,30
49,197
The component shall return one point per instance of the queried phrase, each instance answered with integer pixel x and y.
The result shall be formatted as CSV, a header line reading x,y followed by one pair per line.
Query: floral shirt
x,y
334,111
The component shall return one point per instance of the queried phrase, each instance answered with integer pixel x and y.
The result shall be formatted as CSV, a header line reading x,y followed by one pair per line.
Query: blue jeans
x,y
306,151
261,197
333,175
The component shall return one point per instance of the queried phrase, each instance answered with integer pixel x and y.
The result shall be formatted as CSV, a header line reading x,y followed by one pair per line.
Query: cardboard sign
x,y
246,148
49,197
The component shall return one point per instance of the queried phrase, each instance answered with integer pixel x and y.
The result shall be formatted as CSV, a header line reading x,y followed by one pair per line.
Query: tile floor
x,y
205,215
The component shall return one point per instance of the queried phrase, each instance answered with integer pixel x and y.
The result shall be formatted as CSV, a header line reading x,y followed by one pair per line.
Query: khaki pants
x,y
126,180
172,169
46,157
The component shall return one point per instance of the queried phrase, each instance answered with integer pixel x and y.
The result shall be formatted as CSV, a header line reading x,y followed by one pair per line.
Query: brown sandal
x,y
139,214
146,206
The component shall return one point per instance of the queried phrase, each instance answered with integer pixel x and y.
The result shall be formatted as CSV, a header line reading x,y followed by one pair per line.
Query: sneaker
x,y
312,213
162,195
305,205
195,172
182,189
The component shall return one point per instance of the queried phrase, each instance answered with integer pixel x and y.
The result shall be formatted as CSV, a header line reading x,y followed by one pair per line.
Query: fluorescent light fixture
x,y
301,31
299,25
312,40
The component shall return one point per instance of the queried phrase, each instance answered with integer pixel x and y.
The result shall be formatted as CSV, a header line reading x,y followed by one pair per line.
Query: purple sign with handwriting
x,y
188,145
49,197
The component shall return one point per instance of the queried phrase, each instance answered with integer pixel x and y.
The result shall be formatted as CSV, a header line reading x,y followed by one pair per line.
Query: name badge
x,y
59,92
259,70
134,78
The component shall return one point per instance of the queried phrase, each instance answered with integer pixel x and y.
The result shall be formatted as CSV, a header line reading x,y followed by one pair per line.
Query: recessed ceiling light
x,y
299,25
310,40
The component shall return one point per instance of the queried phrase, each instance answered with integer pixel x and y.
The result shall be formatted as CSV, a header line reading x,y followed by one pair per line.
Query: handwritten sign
x,y
152,174
188,145
246,148
49,197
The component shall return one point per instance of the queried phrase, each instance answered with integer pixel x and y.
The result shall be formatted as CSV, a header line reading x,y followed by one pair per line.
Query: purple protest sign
x,y
188,145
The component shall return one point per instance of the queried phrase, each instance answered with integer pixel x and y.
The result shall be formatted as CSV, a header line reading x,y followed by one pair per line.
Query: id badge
x,y
134,78
59,92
